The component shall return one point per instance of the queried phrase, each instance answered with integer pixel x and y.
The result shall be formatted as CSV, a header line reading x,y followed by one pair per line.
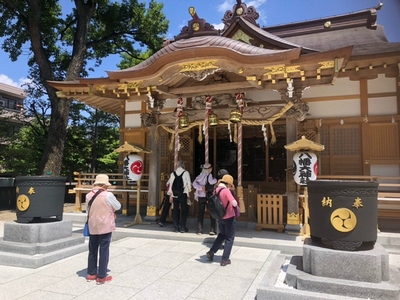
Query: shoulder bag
x,y
86,227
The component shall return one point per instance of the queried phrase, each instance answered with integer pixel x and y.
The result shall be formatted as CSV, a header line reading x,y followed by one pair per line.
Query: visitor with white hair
x,y
204,186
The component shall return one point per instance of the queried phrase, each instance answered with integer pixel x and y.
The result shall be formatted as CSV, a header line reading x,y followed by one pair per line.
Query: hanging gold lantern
x,y
213,119
235,116
183,121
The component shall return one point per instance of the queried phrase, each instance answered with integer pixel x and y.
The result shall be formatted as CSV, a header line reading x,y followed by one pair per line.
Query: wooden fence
x,y
270,212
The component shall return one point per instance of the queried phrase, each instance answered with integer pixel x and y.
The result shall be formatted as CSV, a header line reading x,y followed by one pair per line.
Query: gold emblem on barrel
x,y
343,220
23,202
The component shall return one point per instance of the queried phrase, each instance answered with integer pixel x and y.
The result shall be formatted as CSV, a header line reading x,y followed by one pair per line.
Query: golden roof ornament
x,y
304,144
129,148
196,27
240,9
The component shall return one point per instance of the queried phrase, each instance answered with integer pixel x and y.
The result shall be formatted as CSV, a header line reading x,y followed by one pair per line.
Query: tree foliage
x,y
62,39
92,136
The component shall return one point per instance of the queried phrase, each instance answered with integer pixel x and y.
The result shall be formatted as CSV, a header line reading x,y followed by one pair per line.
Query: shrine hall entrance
x,y
263,166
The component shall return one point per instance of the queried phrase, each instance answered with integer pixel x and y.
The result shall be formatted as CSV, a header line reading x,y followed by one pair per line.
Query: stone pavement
x,y
150,262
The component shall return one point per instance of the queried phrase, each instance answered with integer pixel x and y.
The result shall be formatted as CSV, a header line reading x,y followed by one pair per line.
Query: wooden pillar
x,y
154,176
293,216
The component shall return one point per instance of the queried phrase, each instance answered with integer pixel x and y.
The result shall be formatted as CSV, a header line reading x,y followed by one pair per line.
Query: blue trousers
x,y
227,234
99,244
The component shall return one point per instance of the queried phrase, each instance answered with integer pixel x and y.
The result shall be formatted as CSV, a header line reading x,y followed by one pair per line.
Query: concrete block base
x,y
33,245
332,274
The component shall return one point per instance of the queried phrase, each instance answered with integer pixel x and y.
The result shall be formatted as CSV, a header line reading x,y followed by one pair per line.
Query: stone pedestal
x,y
360,274
36,244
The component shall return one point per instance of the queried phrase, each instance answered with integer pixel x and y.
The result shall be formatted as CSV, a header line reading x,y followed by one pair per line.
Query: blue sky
x,y
272,12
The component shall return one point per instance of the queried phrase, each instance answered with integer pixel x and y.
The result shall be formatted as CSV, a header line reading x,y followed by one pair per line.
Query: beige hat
x,y
207,166
102,179
227,179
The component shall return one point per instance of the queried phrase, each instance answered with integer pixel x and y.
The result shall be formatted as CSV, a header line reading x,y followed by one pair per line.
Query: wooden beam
x,y
212,88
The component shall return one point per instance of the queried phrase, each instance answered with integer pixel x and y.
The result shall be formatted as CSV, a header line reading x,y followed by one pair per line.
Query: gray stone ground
x,y
150,262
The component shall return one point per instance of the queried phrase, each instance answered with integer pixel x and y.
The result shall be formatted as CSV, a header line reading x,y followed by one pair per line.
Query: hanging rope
x,y
269,122
179,110
206,137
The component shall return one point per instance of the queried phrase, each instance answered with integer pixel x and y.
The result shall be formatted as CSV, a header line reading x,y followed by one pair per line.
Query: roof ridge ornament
x,y
196,27
241,10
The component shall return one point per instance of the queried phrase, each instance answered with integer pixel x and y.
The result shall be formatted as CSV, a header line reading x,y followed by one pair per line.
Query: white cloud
x,y
7,80
219,26
256,3
228,4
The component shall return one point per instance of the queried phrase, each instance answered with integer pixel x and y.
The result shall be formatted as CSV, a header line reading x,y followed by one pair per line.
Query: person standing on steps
x,y
227,225
204,186
179,187
101,206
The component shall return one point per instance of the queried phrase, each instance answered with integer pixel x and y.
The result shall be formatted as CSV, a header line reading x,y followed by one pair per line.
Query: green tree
x,y
60,47
92,136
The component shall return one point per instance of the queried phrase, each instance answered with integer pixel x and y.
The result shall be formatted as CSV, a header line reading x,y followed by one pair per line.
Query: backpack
x,y
177,185
215,206
209,187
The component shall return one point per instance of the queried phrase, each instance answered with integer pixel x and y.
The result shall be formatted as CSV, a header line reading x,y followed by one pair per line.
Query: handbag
x,y
86,227
237,211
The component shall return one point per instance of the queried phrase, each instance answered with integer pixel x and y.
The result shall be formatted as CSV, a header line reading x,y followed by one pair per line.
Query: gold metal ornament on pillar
x,y
213,119
183,121
235,116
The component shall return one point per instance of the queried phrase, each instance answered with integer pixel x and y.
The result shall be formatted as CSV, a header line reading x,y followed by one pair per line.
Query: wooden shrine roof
x,y
202,60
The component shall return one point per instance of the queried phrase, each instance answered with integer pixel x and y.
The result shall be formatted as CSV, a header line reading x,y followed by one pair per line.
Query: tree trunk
x,y
53,151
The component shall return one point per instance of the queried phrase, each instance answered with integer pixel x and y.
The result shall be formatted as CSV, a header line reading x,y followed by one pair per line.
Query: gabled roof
x,y
241,29
361,19
356,29
244,56
205,47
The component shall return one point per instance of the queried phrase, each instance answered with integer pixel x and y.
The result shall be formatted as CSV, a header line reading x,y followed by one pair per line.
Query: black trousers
x,y
200,217
180,212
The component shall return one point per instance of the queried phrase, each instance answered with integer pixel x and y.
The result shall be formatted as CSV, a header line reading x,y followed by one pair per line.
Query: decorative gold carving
x,y
133,84
196,26
151,211
239,11
327,24
241,36
199,66
329,64
240,70
251,78
192,11
343,219
101,88
292,69
123,88
199,70
293,219
281,69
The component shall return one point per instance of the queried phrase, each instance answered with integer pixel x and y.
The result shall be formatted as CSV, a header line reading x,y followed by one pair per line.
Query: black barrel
x,y
344,214
39,197
7,193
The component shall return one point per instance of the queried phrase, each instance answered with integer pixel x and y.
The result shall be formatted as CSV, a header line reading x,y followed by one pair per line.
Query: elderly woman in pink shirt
x,y
228,222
